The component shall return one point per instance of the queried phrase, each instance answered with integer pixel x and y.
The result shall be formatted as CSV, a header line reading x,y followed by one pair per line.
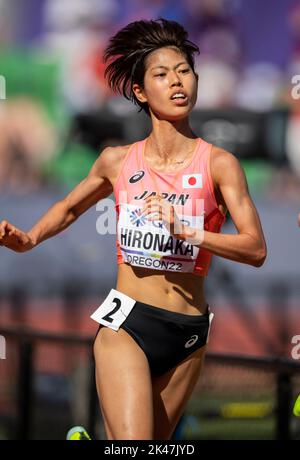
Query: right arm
x,y
62,214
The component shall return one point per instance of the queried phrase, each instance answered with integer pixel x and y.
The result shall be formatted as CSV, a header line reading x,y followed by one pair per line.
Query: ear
x,y
139,93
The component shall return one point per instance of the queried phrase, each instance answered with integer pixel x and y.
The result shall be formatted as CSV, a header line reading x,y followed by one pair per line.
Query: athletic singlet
x,y
149,244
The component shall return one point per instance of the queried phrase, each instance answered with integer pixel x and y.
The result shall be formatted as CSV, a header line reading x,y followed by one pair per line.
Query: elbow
x,y
70,213
259,257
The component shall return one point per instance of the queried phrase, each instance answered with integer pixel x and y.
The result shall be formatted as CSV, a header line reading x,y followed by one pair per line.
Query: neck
x,y
170,141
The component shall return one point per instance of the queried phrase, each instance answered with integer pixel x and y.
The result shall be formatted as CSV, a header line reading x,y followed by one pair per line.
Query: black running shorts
x,y
166,337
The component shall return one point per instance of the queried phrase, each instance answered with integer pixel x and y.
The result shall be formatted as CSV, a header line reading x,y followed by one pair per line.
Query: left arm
x,y
248,245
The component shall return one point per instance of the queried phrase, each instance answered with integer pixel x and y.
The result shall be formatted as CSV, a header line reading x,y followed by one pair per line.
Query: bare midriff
x,y
177,292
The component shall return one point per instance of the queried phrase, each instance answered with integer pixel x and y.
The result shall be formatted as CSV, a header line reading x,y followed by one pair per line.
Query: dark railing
x,y
285,369
27,340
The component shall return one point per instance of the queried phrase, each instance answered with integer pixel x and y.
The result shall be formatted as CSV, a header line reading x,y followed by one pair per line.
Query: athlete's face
x,y
168,73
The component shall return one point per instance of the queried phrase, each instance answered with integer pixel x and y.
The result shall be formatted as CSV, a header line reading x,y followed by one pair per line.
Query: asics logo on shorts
x,y
191,341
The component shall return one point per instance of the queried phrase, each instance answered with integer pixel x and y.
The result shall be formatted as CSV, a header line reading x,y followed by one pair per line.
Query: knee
x,y
141,434
128,433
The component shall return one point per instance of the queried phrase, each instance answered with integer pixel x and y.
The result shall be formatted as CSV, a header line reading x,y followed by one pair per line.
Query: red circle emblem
x,y
192,181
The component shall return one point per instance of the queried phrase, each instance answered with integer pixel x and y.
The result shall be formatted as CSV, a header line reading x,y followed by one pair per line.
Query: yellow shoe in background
x,y
78,433
296,410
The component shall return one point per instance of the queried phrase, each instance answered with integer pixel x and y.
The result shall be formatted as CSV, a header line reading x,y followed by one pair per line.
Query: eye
x,y
160,75
185,70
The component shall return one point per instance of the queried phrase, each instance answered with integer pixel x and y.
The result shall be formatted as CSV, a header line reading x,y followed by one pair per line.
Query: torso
x,y
183,293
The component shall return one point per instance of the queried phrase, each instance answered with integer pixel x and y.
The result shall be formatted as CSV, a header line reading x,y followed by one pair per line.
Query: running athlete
x,y
172,191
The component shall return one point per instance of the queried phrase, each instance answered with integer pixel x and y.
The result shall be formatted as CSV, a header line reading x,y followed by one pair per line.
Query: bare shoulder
x,y
224,164
110,160
221,158
112,153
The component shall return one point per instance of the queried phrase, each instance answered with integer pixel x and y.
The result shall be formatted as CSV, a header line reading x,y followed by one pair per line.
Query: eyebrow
x,y
165,67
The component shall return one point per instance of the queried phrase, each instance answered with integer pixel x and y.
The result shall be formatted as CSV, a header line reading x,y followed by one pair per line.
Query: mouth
x,y
179,98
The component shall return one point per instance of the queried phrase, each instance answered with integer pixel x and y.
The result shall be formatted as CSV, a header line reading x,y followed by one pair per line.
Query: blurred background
x,y
56,115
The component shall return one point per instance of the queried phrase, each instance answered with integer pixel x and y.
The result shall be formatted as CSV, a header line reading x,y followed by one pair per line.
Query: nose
x,y
175,80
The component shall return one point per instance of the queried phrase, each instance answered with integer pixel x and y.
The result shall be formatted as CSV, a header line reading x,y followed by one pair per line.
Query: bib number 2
x,y
114,309
110,318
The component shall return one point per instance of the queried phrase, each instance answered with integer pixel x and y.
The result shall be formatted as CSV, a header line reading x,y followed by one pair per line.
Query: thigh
x,y
124,385
171,392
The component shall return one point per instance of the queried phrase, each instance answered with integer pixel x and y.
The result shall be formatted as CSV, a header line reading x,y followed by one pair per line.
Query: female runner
x,y
172,191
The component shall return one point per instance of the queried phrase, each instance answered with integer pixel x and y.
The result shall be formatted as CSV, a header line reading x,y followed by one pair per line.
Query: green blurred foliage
x,y
34,75
70,166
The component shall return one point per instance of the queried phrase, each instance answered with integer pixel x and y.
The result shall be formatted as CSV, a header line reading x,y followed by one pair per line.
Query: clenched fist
x,y
13,238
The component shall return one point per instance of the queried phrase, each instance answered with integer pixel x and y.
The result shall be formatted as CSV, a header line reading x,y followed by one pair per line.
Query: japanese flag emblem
x,y
192,181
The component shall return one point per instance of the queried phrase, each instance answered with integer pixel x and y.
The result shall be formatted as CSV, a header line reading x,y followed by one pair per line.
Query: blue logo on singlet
x,y
136,218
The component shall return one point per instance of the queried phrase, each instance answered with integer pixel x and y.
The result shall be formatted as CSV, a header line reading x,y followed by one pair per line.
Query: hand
x,y
165,212
13,238
157,209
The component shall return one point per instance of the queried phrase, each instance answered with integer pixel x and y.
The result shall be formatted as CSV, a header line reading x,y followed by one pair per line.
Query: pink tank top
x,y
148,244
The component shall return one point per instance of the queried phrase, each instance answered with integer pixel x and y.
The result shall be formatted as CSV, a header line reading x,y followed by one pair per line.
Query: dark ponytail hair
x,y
128,49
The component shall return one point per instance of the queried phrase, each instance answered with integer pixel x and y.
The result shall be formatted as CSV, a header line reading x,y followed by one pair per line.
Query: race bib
x,y
149,244
114,310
